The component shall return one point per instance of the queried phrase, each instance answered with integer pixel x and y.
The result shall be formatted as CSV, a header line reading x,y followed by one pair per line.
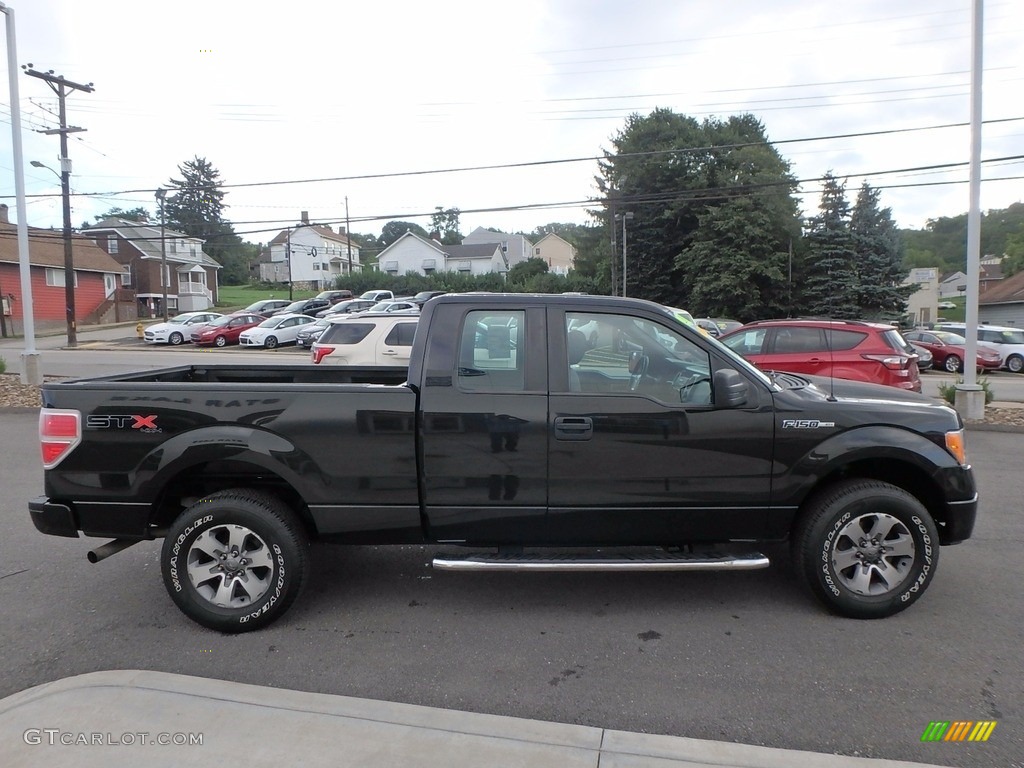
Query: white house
x,y
319,256
515,247
952,285
412,253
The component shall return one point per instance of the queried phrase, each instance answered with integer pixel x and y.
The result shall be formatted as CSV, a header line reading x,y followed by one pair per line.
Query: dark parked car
x,y
423,297
226,330
948,351
335,296
267,307
311,333
346,307
924,357
843,349
307,307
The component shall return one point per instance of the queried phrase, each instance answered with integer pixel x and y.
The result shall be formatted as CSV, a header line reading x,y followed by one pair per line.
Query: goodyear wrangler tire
x,y
866,549
235,560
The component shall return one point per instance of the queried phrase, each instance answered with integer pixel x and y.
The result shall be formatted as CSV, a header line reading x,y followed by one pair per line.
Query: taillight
x,y
892,362
320,352
59,432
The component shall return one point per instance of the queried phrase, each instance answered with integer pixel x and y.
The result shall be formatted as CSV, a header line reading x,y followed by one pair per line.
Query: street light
x,y
627,216
69,260
160,195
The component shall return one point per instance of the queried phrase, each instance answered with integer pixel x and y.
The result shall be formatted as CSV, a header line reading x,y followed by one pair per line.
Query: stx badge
x,y
118,421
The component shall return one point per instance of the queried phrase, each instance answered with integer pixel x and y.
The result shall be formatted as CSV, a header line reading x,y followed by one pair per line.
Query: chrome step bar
x,y
707,561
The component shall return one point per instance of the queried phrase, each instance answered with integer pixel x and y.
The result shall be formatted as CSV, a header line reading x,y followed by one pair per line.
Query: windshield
x,y
295,306
271,322
220,321
949,338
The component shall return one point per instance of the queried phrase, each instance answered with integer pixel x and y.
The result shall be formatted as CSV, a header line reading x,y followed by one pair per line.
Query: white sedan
x,y
179,328
279,329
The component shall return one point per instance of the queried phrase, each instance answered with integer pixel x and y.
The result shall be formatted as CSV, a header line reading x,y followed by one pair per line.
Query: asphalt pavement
x,y
121,717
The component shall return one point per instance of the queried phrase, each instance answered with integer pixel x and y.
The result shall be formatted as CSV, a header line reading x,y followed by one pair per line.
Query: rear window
x,y
346,333
845,339
895,340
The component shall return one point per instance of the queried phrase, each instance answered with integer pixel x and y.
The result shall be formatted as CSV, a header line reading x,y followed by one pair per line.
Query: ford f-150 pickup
x,y
530,432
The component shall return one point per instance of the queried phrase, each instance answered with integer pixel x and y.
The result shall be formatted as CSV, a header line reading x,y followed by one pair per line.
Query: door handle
x,y
389,352
574,428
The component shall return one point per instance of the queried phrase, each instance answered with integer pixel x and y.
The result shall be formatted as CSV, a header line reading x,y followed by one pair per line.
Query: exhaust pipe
x,y
110,548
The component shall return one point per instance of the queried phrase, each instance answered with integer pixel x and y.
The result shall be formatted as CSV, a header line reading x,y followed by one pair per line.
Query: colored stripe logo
x,y
958,730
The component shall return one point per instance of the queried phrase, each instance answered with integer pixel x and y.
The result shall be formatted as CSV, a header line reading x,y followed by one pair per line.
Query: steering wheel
x,y
638,363
687,386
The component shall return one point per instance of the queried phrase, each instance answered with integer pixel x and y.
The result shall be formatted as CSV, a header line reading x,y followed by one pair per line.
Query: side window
x,y
611,353
401,335
797,340
746,343
489,356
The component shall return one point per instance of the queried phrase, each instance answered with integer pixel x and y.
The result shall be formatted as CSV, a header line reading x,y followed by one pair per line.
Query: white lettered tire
x,y
866,549
235,560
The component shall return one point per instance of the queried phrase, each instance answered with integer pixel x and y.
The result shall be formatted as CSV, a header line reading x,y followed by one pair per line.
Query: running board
x,y
706,561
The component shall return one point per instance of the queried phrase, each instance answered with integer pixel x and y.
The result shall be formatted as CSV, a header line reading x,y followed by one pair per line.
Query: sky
x,y
305,104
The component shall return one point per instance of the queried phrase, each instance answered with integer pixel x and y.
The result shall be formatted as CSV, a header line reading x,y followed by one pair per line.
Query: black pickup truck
x,y
530,432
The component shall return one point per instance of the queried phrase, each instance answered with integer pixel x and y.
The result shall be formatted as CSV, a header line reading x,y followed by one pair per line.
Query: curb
x,y
323,729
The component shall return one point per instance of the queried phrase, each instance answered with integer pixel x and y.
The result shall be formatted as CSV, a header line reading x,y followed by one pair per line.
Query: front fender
x,y
881,450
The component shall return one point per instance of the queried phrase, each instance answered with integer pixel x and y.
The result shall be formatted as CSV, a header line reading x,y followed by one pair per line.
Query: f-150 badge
x,y
806,424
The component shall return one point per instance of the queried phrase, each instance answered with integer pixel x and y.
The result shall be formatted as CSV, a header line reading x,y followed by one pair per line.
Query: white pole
x,y
971,399
30,371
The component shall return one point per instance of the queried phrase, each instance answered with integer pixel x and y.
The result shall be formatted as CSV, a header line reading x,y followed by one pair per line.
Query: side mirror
x,y
730,389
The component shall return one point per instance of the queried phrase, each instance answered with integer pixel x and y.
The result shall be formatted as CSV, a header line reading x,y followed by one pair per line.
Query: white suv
x,y
1008,341
366,339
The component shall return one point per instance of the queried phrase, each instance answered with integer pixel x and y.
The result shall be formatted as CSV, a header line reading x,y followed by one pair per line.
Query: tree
x,y
196,205
830,285
1014,262
520,273
879,266
138,214
673,173
393,230
446,223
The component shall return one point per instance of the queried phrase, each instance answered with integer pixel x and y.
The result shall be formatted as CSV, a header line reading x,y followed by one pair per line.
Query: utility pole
x,y
61,86
348,240
288,245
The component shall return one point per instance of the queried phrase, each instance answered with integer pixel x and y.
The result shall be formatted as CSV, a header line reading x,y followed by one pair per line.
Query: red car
x,y
948,351
225,330
845,349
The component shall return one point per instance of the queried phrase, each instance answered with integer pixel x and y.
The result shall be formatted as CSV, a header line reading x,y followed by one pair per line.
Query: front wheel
x,y
220,341
175,338
271,342
867,549
235,560
954,364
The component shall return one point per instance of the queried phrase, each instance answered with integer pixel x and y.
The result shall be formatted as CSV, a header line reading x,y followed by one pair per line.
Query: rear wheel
x,y
235,560
271,342
1015,363
954,364
866,549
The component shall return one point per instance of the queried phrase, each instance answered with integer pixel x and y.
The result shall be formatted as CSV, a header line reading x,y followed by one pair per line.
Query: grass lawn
x,y
241,296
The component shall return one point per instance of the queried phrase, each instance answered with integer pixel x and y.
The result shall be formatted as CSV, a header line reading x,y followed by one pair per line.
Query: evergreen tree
x,y
830,285
879,266
196,205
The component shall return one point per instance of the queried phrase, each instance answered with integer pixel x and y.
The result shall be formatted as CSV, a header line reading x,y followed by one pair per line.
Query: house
x,y
319,256
952,285
990,274
515,247
1003,304
922,305
96,279
559,254
190,277
412,253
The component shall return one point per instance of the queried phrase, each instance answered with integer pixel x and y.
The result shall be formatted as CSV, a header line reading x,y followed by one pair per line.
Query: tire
x,y
271,342
175,339
837,548
1015,363
953,364
220,341
235,560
